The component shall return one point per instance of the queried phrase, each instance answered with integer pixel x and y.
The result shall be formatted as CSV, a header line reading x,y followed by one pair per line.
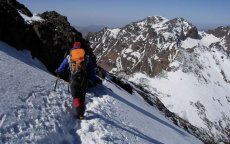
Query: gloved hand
x,y
56,72
98,81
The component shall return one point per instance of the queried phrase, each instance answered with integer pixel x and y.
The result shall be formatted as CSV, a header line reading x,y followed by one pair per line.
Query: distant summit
x,y
135,47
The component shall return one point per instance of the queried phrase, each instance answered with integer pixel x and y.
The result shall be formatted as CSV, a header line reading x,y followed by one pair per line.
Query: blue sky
x,y
118,13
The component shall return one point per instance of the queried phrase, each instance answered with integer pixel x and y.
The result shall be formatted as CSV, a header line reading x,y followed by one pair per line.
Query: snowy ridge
x,y
223,34
38,114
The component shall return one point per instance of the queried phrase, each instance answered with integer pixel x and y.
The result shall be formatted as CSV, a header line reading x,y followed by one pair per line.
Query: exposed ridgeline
x,y
137,46
48,35
224,34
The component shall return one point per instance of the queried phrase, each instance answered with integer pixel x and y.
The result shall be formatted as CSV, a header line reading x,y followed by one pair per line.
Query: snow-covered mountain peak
x,y
151,20
179,24
131,43
145,24
180,20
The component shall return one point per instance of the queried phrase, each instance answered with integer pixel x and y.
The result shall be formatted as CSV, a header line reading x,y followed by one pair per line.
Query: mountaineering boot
x,y
79,108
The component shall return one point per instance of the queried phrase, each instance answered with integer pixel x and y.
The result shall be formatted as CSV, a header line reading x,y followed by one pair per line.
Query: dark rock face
x,y
222,32
48,40
56,36
12,27
193,33
144,46
14,30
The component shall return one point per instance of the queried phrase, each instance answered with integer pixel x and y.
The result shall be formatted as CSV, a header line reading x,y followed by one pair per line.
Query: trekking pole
x,y
56,83
68,88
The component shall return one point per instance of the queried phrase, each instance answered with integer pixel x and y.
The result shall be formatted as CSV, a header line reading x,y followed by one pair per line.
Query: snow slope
x,y
198,87
32,112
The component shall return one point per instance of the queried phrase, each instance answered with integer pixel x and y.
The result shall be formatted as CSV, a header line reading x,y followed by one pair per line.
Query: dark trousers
x,y
78,86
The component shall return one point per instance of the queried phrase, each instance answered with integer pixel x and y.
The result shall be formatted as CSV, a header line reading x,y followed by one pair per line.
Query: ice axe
x,y
58,78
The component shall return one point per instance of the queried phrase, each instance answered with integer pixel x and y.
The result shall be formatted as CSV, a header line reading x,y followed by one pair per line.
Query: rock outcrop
x,y
48,35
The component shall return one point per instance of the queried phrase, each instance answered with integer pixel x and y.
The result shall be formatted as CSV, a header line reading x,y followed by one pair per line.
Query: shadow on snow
x,y
102,90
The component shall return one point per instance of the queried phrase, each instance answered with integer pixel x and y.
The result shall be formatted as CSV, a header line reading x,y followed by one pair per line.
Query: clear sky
x,y
118,13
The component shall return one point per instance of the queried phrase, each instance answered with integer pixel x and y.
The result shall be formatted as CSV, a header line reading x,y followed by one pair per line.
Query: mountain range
x,y
191,79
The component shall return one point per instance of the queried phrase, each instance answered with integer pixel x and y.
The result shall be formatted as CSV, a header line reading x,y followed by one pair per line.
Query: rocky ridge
x,y
48,35
224,34
136,46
